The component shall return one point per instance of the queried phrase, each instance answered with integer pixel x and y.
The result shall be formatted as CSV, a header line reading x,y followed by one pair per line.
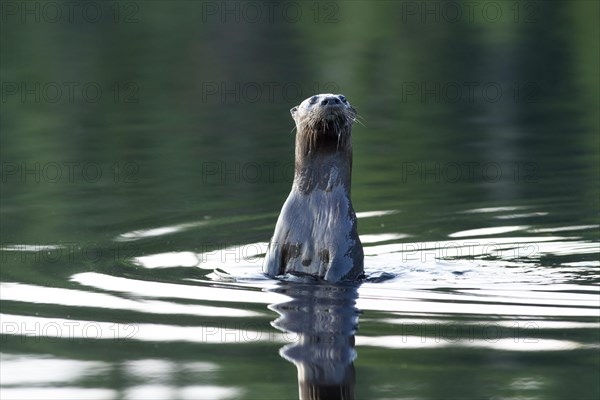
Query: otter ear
x,y
293,111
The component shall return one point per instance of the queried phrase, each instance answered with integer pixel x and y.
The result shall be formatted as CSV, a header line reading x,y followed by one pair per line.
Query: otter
x,y
316,233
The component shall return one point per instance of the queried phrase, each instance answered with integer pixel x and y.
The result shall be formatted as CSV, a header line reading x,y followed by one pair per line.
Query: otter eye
x,y
343,99
313,99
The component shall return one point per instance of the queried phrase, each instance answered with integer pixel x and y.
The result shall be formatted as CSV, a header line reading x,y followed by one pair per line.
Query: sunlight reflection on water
x,y
478,290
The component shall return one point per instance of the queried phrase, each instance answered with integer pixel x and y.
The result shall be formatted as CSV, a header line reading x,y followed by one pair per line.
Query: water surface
x,y
134,222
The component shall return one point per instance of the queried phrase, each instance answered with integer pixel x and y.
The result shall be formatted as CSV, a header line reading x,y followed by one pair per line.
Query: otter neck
x,y
322,166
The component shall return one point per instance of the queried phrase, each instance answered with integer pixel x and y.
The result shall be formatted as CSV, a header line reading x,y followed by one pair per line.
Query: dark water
x,y
146,151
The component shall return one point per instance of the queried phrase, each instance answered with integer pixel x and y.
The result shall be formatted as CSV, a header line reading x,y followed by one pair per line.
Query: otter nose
x,y
330,100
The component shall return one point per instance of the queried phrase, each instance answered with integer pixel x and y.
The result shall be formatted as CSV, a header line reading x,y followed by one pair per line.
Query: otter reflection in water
x,y
324,318
316,233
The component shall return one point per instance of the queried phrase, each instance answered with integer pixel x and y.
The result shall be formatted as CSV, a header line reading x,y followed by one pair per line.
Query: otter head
x,y
324,123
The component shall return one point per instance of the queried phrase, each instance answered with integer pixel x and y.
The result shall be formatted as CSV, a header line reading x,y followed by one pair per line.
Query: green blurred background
x,y
122,116
186,88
